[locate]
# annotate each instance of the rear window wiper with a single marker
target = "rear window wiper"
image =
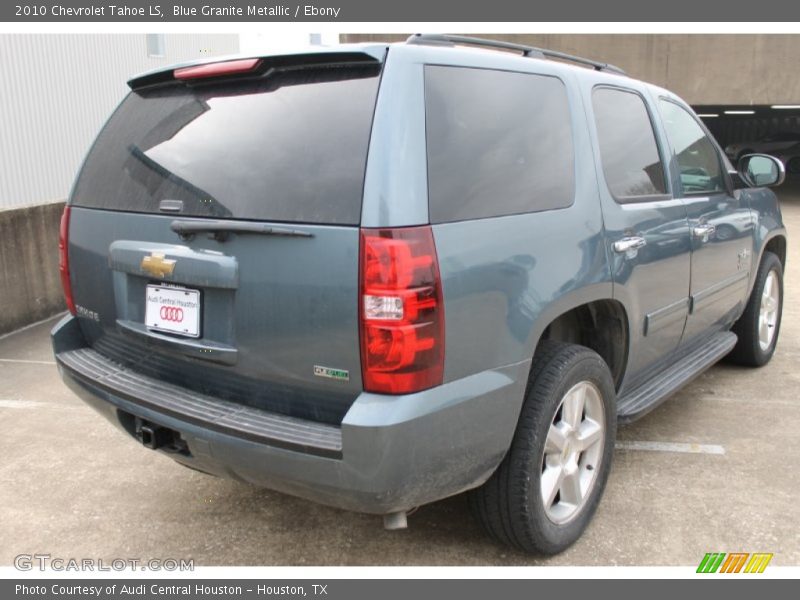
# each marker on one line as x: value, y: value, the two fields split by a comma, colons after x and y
x: 221, y: 230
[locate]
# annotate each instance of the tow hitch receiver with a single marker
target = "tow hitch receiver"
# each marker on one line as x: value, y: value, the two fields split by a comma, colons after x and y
x: 157, y: 437
x: 153, y: 436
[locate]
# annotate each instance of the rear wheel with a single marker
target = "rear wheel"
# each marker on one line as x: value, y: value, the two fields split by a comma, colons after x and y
x: 547, y: 488
x: 759, y: 325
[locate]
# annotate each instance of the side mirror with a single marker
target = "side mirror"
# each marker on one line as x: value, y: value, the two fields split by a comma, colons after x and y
x: 761, y: 170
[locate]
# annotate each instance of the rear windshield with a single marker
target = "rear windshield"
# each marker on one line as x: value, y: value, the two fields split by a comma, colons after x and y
x: 291, y: 146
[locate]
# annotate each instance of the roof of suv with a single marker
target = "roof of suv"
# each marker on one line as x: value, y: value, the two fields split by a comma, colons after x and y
x: 377, y: 51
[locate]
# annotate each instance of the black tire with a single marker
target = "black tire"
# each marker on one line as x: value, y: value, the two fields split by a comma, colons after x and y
x: 510, y: 505
x: 748, y: 350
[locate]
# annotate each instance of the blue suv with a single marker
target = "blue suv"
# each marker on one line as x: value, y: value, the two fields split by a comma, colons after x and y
x: 379, y: 275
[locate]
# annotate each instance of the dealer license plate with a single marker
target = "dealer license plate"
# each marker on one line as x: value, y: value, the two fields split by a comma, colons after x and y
x: 173, y: 309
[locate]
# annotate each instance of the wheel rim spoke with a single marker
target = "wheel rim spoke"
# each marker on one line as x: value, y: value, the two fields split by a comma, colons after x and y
x: 573, y: 406
x: 551, y: 483
x: 589, y: 434
x: 556, y: 439
x: 571, y: 487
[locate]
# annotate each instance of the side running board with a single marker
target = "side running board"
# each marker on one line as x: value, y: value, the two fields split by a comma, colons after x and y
x: 640, y: 401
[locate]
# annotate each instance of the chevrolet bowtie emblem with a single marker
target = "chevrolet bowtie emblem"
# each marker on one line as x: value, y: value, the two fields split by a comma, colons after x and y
x: 157, y: 265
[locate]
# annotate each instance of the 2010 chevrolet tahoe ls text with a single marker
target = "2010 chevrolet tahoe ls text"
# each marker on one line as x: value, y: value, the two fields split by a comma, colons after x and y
x: 379, y: 275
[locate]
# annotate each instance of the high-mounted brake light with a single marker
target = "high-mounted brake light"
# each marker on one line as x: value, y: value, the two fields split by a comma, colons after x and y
x: 63, y: 259
x: 401, y: 311
x: 217, y: 69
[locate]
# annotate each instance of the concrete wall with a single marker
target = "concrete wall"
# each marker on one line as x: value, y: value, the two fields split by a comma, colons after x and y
x: 701, y: 68
x: 30, y: 285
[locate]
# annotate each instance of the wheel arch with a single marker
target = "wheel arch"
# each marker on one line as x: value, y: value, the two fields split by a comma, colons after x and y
x: 601, y: 324
x: 775, y: 243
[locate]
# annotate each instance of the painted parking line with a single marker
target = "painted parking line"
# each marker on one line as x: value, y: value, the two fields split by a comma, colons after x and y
x: 22, y: 404
x: 671, y: 447
x: 32, y: 404
x: 26, y: 362
x: 32, y: 325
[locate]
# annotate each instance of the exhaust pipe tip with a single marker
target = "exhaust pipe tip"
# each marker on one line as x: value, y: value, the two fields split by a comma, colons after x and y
x: 395, y: 520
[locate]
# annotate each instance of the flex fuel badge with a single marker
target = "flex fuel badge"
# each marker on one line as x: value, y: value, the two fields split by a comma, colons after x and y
x: 339, y: 374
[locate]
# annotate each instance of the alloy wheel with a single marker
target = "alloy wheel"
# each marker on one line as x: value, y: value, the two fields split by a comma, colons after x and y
x: 573, y: 452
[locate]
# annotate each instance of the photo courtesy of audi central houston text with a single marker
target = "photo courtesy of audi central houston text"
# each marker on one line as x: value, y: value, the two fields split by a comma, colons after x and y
x: 460, y: 283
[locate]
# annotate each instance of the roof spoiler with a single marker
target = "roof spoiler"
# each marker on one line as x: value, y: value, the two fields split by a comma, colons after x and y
x: 241, y: 66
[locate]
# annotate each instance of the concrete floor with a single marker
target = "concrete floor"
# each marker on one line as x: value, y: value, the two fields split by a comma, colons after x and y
x: 73, y: 486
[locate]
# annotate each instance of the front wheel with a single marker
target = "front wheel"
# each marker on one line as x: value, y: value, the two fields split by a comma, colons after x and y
x: 759, y: 325
x: 546, y: 490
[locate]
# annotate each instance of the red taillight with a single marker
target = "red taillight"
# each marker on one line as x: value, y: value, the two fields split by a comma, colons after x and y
x: 217, y: 69
x: 63, y: 259
x: 401, y: 311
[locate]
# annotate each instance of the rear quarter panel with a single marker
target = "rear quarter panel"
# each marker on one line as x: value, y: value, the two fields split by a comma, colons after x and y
x: 506, y: 279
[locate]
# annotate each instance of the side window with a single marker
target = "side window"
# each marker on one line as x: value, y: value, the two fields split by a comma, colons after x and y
x: 628, y: 150
x: 697, y: 158
x: 499, y: 143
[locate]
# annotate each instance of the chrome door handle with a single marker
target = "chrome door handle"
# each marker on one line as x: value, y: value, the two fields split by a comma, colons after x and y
x: 627, y: 244
x: 703, y: 231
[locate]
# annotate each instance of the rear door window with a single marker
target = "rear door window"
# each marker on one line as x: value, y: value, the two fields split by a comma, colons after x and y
x: 628, y: 151
x: 290, y: 146
x: 499, y: 143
